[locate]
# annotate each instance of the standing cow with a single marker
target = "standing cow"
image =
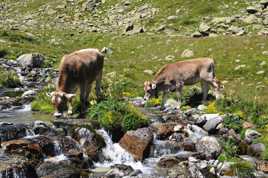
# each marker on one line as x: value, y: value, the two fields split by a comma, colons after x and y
x: 78, y: 69
x: 172, y: 77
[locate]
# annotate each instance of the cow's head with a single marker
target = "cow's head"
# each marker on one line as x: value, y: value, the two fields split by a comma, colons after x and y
x: 150, y: 90
x: 60, y: 101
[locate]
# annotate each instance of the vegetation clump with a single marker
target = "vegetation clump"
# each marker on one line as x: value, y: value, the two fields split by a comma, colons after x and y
x: 9, y: 79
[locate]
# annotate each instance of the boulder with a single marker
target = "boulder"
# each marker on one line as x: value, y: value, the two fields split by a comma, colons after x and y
x: 90, y: 5
x: 256, y: 149
x: 119, y: 170
x: 12, y: 131
x: 32, y: 60
x: 91, y: 142
x: 195, y: 133
x: 204, y: 28
x: 252, y: 9
x: 163, y: 130
x: 172, y: 104
x: 212, y: 121
x: 209, y: 146
x: 138, y: 142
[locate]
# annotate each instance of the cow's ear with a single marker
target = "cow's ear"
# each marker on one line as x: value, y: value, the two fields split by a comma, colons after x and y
x: 69, y: 96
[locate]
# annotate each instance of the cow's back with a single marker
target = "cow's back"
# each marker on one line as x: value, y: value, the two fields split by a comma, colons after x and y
x: 82, y: 65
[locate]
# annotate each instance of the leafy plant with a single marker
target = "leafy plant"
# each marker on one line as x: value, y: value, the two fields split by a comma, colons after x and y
x: 9, y: 79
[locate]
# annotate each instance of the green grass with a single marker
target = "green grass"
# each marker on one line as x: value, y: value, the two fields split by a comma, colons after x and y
x: 9, y: 79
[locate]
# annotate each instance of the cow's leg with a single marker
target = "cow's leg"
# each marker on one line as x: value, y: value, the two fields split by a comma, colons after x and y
x: 98, y: 86
x: 164, y: 99
x: 84, y: 92
x: 179, y: 87
x: 205, y: 88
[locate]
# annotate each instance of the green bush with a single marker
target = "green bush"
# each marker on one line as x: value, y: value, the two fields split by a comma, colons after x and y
x: 113, y: 114
x: 9, y: 79
x: 230, y: 150
x: 232, y: 121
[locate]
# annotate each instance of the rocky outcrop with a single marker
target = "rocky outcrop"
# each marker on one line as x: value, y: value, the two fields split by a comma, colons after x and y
x: 33, y: 60
x: 137, y: 142
x: 209, y: 146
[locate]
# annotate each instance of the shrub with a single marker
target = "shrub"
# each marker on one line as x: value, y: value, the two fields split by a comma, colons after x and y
x: 113, y: 114
x: 153, y: 102
x: 232, y: 121
x: 230, y: 150
x: 212, y: 108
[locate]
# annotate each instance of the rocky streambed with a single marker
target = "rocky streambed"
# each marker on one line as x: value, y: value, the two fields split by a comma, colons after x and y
x: 175, y: 144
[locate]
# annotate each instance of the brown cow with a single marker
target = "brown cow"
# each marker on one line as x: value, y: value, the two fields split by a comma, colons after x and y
x: 172, y: 77
x: 78, y: 69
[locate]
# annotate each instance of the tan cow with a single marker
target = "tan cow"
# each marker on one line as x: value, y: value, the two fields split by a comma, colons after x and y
x: 172, y: 77
x: 78, y: 69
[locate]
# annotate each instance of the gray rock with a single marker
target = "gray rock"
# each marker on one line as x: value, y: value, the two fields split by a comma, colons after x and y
x: 204, y: 28
x: 187, y: 53
x: 212, y: 121
x: 265, y: 21
x: 250, y: 19
x: 195, y: 133
x: 265, y: 53
x: 196, y: 34
x: 33, y: 60
x: 209, y: 146
x: 173, y: 17
x: 251, y: 135
x: 256, y: 149
x: 29, y: 93
x: 252, y: 9
x: 236, y: 30
x: 91, y: 5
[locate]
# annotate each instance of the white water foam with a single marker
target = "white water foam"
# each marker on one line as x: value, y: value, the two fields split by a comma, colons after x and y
x: 56, y: 159
x: 115, y: 154
x: 26, y: 108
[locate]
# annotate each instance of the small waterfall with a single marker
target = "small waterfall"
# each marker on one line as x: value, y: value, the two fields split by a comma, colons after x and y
x: 58, y: 152
x: 115, y: 154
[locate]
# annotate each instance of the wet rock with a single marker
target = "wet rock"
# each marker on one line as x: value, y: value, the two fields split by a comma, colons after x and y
x: 43, y: 128
x: 251, y: 135
x: 168, y: 161
x: 33, y: 60
x: 187, y: 53
x: 209, y: 146
x: 163, y: 130
x: 138, y: 101
x: 58, y: 169
x: 29, y: 94
x: 195, y: 133
x: 119, y: 170
x: 163, y: 147
x: 13, y: 166
x: 12, y: 131
x: 91, y: 142
x: 188, y: 145
x: 137, y: 142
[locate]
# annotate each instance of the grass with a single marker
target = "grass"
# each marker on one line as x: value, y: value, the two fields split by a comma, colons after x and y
x: 9, y: 79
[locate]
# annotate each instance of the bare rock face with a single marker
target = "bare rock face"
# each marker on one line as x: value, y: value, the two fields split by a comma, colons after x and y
x: 137, y: 142
x: 163, y: 130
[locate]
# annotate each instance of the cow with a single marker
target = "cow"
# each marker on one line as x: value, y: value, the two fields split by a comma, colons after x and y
x: 77, y: 70
x: 172, y: 78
